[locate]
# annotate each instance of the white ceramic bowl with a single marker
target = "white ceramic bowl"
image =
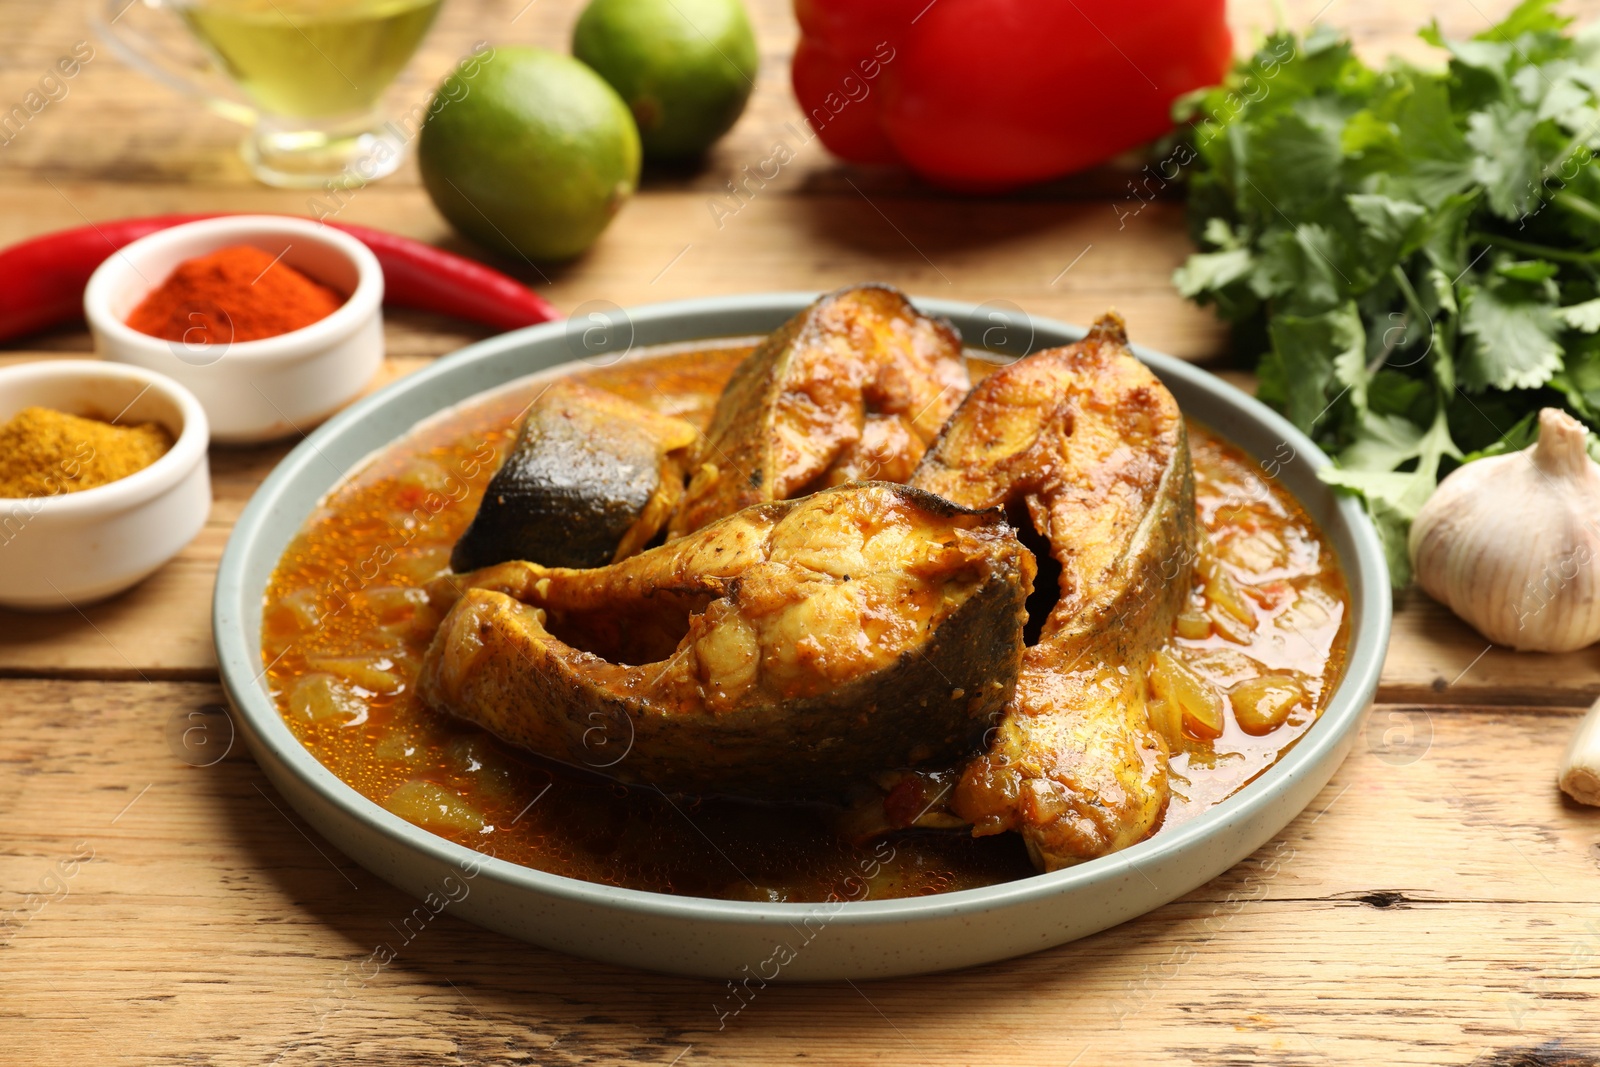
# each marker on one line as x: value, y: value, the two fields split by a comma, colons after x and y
x: 69, y: 550
x: 737, y: 939
x: 251, y: 390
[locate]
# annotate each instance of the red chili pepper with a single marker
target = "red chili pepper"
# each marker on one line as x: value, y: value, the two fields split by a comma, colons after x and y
x: 42, y: 279
x: 992, y: 94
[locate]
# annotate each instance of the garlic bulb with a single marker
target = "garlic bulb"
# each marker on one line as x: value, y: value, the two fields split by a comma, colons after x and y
x: 1511, y: 544
x: 1579, y: 776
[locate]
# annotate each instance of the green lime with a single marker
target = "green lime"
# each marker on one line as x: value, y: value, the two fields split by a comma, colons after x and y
x: 685, y: 67
x: 528, y: 152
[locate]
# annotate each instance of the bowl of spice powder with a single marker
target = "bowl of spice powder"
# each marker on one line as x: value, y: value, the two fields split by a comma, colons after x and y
x: 273, y: 322
x: 103, y: 478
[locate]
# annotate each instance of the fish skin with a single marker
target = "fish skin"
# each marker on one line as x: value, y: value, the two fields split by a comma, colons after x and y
x: 863, y: 627
x: 852, y: 388
x: 1094, y: 446
x: 591, y: 478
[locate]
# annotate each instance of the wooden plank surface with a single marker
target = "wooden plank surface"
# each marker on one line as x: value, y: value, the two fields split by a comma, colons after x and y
x: 118, y: 127
x: 156, y: 631
x: 1436, y: 905
x: 1436, y: 901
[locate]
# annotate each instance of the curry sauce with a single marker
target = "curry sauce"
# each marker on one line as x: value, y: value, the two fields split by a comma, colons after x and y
x: 346, y: 623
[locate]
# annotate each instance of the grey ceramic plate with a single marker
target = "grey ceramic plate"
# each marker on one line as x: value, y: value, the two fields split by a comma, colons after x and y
x: 689, y: 935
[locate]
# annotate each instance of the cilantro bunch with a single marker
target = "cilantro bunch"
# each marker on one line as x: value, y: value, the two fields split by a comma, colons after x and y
x: 1414, y: 253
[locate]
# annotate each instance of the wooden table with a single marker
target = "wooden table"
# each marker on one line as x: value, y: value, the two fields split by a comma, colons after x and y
x: 1438, y: 904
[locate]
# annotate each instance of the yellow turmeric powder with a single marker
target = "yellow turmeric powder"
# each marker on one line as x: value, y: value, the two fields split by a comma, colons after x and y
x: 46, y: 453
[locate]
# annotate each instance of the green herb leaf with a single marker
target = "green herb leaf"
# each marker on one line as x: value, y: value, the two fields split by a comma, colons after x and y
x: 1310, y: 349
x: 1393, y: 227
x: 1394, y: 497
x: 1389, y: 234
x: 1213, y: 270
x: 1507, y: 166
x: 1530, y: 16
x: 1515, y: 344
x: 1584, y: 316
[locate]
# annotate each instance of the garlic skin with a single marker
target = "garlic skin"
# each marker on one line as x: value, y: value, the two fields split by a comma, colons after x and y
x: 1579, y: 776
x: 1511, y: 544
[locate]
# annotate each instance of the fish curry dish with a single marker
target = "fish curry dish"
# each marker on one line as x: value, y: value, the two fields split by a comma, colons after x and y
x: 843, y: 612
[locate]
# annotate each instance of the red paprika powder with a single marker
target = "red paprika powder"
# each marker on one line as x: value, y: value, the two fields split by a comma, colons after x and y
x: 233, y: 294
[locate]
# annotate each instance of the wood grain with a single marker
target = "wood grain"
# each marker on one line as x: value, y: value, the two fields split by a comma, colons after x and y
x: 117, y: 127
x: 162, y: 628
x: 1436, y: 905
x: 811, y: 229
x: 1436, y: 901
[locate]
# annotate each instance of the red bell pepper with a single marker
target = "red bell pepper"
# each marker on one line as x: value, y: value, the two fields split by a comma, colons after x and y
x: 992, y: 94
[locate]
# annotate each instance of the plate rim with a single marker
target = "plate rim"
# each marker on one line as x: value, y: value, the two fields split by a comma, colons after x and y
x: 1354, y: 694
